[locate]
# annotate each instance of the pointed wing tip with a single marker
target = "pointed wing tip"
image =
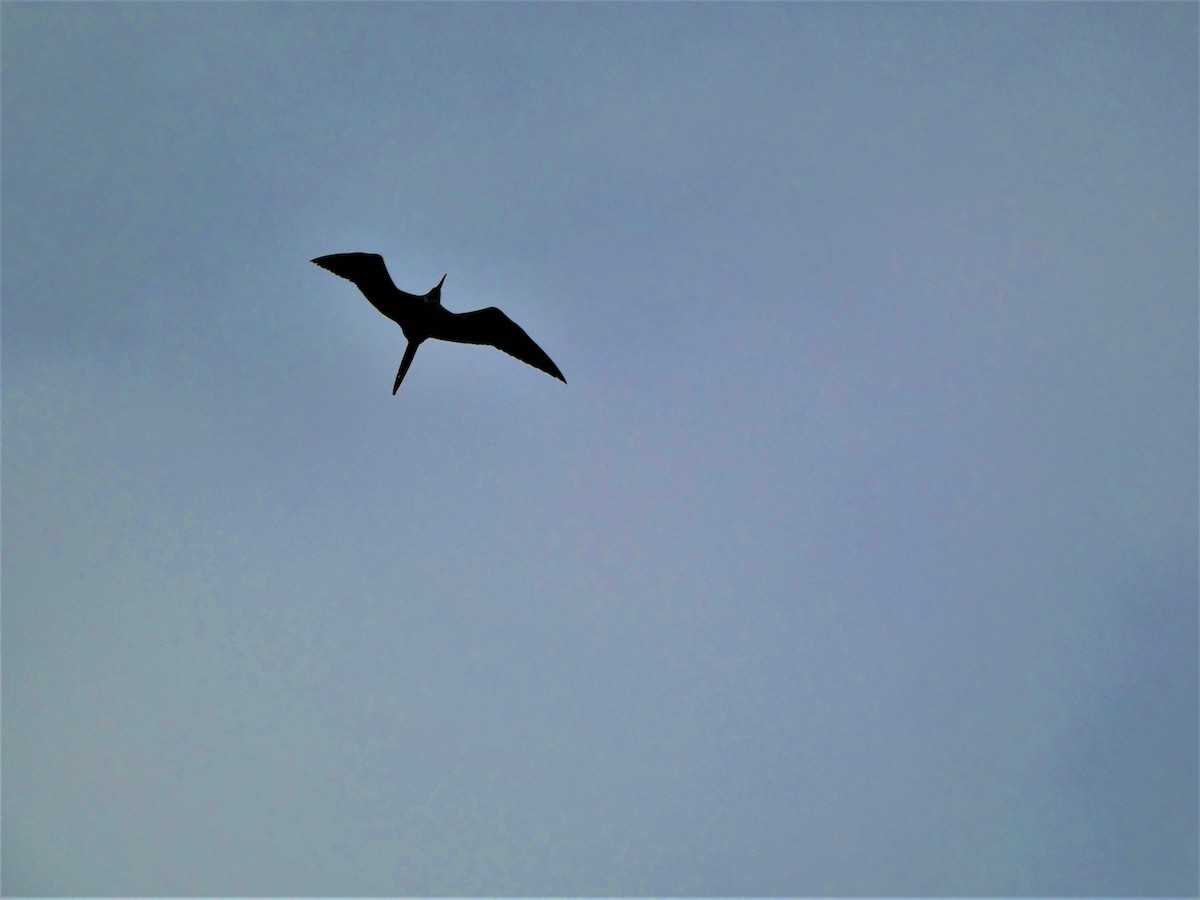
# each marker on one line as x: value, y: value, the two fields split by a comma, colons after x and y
x: 549, y: 368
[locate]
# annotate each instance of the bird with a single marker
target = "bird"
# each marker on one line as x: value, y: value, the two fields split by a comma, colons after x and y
x: 423, y: 317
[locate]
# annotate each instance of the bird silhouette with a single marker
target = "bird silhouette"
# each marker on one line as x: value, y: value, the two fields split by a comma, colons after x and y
x: 423, y: 317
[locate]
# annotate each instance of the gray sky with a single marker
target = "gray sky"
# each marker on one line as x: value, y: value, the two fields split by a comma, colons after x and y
x: 858, y: 555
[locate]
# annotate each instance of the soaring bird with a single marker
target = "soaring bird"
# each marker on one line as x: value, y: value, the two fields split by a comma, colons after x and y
x: 424, y: 317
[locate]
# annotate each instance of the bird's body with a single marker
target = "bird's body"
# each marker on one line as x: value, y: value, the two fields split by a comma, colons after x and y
x: 423, y: 317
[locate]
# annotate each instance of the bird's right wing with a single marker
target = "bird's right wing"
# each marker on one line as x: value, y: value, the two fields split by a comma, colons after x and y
x: 491, y: 326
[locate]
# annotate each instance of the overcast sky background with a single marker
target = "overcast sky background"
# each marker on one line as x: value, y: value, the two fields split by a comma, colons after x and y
x: 857, y: 556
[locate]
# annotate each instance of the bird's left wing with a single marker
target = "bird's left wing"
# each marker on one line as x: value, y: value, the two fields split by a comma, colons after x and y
x: 366, y: 270
x: 492, y: 327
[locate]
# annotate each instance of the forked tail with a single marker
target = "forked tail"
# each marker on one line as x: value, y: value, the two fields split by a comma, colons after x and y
x: 409, y: 353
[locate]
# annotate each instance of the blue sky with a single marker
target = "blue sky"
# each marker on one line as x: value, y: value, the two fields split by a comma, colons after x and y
x: 857, y: 556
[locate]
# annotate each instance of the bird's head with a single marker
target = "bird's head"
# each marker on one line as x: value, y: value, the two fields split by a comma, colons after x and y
x: 436, y: 293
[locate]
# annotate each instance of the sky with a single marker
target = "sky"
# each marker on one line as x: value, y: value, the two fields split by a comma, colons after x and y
x: 857, y: 556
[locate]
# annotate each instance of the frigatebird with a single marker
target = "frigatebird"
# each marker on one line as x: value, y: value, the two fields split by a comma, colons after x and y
x: 424, y: 317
